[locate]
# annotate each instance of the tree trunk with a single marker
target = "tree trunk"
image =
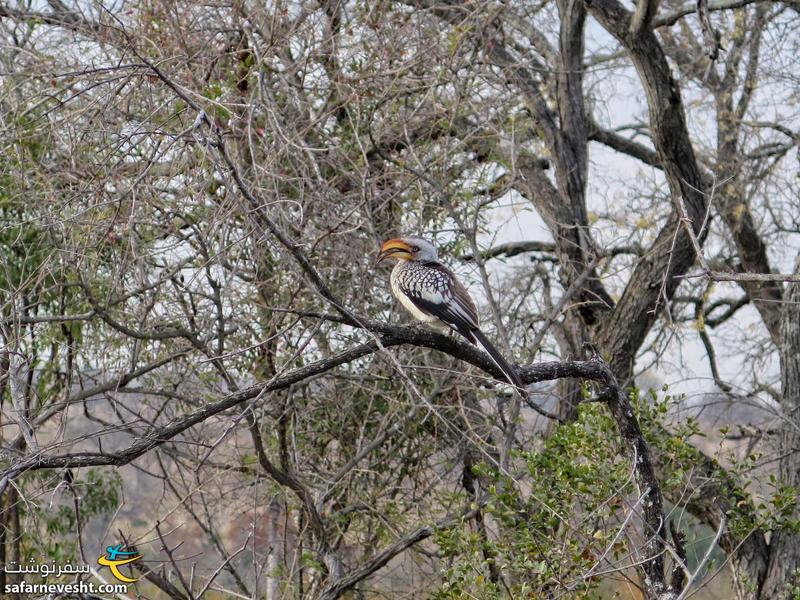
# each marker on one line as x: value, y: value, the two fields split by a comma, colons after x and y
x: 784, y: 561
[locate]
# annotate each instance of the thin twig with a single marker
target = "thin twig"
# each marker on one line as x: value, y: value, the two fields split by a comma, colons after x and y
x: 723, y: 521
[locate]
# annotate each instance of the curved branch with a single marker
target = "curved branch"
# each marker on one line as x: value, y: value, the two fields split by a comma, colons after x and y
x: 392, y: 335
x: 336, y: 588
x: 691, y: 7
x: 510, y: 249
x: 643, y: 16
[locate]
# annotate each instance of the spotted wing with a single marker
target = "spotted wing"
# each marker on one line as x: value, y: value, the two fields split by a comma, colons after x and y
x: 434, y: 289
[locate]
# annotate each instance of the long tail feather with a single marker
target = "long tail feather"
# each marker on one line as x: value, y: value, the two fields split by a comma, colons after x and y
x: 502, y: 363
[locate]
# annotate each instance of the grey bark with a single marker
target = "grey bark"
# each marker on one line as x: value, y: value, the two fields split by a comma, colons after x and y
x: 656, y: 276
x: 783, y: 571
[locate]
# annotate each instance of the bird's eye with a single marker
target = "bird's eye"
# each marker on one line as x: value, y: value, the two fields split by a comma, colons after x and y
x: 415, y: 248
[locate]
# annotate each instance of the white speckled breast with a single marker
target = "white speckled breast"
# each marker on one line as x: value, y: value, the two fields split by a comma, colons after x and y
x: 409, y: 272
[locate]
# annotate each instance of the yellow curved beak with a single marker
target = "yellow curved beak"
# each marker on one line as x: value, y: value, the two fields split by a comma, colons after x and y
x: 394, y: 248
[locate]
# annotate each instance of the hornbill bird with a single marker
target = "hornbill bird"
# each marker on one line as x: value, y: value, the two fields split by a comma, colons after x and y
x: 432, y: 294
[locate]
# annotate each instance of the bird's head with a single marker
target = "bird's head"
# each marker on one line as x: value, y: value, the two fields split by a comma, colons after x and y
x: 408, y: 248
